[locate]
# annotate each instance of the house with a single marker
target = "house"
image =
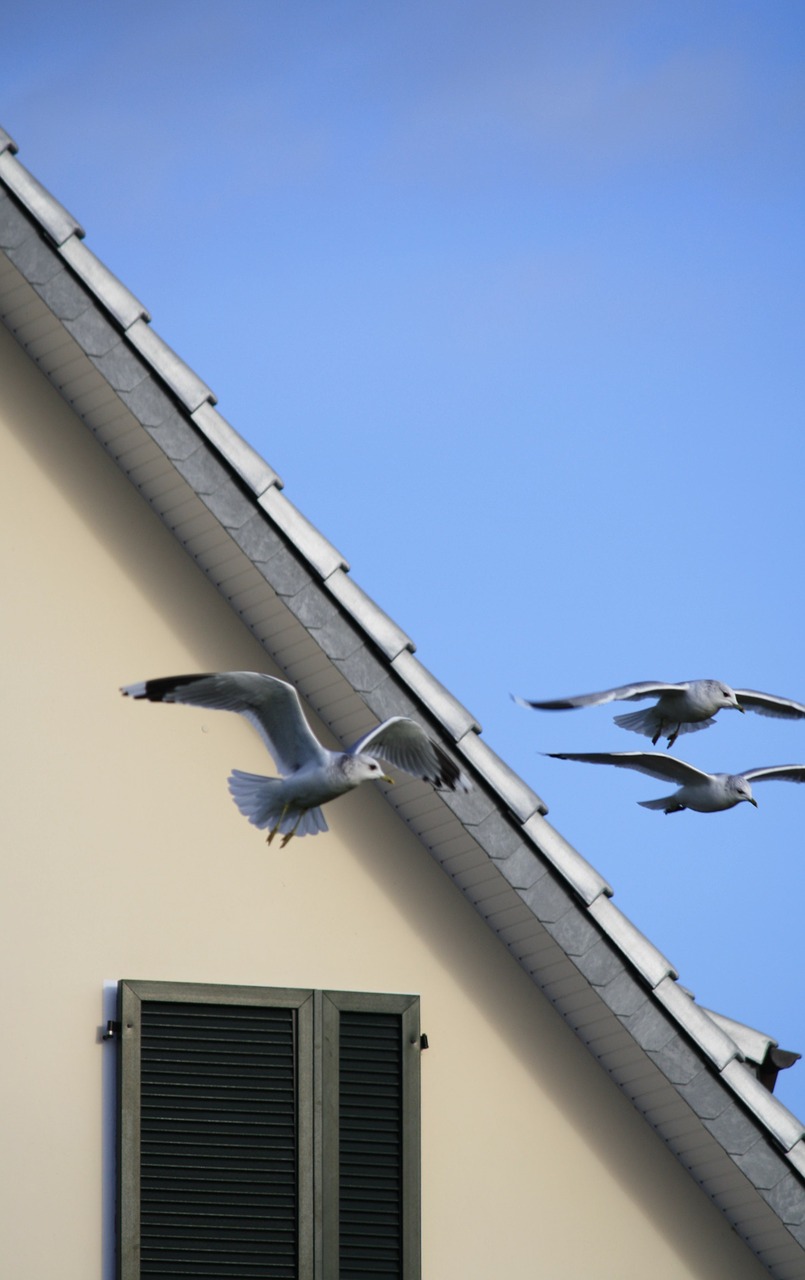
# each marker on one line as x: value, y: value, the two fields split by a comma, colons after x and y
x: 425, y: 1043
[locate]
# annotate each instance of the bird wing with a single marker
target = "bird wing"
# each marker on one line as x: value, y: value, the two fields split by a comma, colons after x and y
x: 271, y: 706
x: 623, y: 693
x: 782, y: 772
x: 651, y: 762
x: 406, y: 745
x: 768, y: 704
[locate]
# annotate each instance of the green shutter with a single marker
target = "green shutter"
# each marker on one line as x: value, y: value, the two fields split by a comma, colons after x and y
x: 370, y: 1145
x: 218, y: 1142
x: 267, y: 1134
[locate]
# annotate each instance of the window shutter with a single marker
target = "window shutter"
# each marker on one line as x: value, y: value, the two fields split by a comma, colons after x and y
x: 267, y: 1134
x: 370, y: 1145
x: 218, y: 1146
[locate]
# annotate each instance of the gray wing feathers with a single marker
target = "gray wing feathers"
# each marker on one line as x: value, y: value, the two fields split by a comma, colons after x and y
x: 650, y: 762
x: 768, y: 704
x: 781, y: 772
x: 405, y: 745
x: 271, y: 706
x: 624, y: 693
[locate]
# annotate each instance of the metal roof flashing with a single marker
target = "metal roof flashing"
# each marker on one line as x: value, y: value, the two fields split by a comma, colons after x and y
x: 689, y: 1072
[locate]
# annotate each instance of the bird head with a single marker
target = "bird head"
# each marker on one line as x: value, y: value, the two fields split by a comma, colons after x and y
x: 730, y: 698
x: 367, y: 769
x: 742, y: 791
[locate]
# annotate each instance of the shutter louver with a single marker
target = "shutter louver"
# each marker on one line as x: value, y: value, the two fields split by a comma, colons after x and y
x: 218, y: 1161
x: 370, y: 1146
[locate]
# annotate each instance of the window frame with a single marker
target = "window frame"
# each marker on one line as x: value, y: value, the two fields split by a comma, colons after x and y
x: 317, y: 1112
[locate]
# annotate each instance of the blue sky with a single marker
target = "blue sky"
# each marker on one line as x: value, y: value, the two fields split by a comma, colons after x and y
x: 511, y: 295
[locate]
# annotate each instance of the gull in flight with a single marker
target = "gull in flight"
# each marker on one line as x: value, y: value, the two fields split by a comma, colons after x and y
x: 704, y: 792
x: 681, y: 708
x: 312, y: 774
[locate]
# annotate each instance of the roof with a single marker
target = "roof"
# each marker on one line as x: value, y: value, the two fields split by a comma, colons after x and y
x: 692, y: 1075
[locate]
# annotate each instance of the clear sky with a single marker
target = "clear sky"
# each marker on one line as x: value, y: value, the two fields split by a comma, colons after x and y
x: 511, y: 293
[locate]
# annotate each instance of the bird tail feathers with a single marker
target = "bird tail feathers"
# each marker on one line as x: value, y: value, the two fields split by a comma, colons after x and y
x: 648, y: 722
x: 639, y: 721
x: 261, y: 800
x: 668, y: 804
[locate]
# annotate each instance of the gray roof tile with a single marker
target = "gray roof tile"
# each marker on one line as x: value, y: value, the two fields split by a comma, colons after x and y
x: 517, y: 794
x: 181, y: 379
x: 447, y: 709
x: 39, y: 265
x: 320, y: 553
x: 522, y: 869
x: 243, y: 459
x: 718, y: 1046
x: 122, y: 368
x: 588, y: 883
x: 787, y: 1129
x: 388, y: 637
x: 93, y: 333
x: 119, y: 301
x: 624, y: 995
x: 497, y: 835
x: 635, y: 946
x: 50, y: 215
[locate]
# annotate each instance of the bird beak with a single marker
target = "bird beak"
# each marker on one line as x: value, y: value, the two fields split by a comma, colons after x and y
x: 387, y: 779
x: 740, y: 708
x: 753, y: 801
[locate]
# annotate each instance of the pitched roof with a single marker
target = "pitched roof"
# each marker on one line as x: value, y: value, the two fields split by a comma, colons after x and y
x: 692, y: 1075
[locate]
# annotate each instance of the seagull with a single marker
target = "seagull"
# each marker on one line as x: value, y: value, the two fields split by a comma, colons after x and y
x: 681, y: 708
x: 704, y: 792
x: 312, y: 774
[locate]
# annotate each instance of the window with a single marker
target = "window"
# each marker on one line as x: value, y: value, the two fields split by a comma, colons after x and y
x: 268, y: 1133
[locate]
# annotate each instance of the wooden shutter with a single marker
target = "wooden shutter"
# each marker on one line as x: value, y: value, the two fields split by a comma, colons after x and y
x: 211, y: 1168
x: 371, y: 1175
x: 268, y: 1134
x: 370, y: 1112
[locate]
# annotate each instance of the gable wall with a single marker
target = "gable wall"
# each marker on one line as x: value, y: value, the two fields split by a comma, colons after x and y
x: 124, y: 857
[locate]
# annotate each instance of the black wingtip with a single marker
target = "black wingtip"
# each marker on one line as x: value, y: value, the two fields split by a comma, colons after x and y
x: 449, y: 775
x: 160, y: 689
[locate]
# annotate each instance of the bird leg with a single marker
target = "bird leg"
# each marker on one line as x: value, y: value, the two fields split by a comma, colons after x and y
x: 674, y: 736
x: 292, y: 832
x: 276, y: 828
x: 658, y: 734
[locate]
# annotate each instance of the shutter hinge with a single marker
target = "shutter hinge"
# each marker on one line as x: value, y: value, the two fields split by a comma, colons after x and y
x: 423, y: 1041
x: 112, y: 1031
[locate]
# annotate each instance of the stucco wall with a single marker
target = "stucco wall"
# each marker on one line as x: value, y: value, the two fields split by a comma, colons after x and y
x: 123, y: 856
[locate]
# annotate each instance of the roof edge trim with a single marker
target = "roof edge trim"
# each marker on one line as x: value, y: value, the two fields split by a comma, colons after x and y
x: 230, y: 445
x: 588, y: 883
x: 51, y: 216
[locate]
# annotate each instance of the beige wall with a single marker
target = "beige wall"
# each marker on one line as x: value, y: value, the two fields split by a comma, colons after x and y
x: 123, y: 856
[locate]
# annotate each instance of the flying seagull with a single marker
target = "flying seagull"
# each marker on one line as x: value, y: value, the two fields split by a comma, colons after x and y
x: 312, y: 775
x: 704, y: 792
x: 681, y: 708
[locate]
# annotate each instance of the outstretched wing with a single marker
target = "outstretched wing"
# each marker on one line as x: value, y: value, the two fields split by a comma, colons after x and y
x: 270, y: 705
x: 405, y: 745
x: 768, y: 704
x: 782, y: 772
x: 651, y: 762
x: 623, y: 693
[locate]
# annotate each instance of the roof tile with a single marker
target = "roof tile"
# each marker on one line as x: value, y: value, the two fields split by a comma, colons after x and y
x: 177, y: 375
x: 50, y: 215
x: 119, y: 301
x: 243, y: 459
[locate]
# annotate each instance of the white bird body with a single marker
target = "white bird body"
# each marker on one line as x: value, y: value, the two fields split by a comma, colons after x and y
x: 703, y: 792
x: 312, y: 774
x: 680, y: 708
